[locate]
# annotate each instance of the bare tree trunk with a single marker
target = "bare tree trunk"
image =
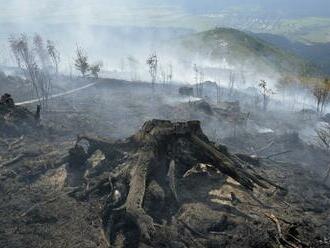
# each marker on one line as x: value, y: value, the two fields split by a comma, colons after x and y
x: 327, y: 175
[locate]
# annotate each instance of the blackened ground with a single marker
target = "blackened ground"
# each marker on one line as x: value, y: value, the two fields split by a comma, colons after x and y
x: 37, y: 210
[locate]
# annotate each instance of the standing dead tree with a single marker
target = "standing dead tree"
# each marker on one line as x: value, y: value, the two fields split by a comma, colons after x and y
x: 34, y: 61
x: 196, y: 79
x: 166, y: 74
x: 46, y: 66
x: 40, y: 51
x: 54, y: 55
x: 169, y: 76
x: 321, y: 94
x: 218, y: 92
x: 152, y: 62
x: 199, y: 79
x: 82, y: 65
x: 242, y: 77
x: 25, y: 59
x: 266, y: 93
x: 95, y: 69
x: 231, y: 83
x: 163, y: 76
x: 133, y: 64
x: 81, y: 61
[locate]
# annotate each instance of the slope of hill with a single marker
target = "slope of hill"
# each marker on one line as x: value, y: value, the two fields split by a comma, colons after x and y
x: 317, y: 53
x: 243, y: 49
x: 293, y: 8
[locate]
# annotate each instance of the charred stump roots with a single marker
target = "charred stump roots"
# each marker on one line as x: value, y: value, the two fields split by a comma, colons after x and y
x: 138, y: 175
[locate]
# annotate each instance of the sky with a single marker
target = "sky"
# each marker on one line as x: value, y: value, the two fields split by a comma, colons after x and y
x: 84, y: 11
x: 130, y: 11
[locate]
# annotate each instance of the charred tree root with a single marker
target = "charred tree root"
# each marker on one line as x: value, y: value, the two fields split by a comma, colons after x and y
x: 283, y: 241
x: 327, y: 176
x: 155, y: 146
x: 18, y: 158
x: 11, y: 145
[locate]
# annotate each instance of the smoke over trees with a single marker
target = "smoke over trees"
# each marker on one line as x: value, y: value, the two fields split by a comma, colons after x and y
x: 199, y: 79
x: 321, y: 94
x: 266, y: 92
x: 81, y: 61
x: 82, y: 65
x: 133, y: 64
x: 152, y: 62
x: 232, y: 79
x: 95, y: 69
x: 54, y: 55
x: 36, y: 62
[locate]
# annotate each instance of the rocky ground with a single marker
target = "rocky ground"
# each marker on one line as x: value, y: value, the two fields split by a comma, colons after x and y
x: 166, y: 185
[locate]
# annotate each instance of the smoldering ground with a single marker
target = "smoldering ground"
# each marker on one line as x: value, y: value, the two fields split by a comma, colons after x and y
x: 60, y: 190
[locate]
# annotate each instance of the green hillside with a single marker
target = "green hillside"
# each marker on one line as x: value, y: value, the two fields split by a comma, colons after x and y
x: 240, y: 48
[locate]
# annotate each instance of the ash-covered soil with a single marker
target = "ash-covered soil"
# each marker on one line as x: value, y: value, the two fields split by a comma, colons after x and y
x: 60, y: 191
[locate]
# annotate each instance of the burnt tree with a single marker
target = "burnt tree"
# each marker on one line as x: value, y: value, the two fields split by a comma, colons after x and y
x: 142, y: 175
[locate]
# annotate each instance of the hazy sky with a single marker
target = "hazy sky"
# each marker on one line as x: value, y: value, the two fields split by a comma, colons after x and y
x: 108, y: 11
x: 86, y: 11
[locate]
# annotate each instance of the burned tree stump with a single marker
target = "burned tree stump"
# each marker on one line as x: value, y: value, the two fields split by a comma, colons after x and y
x: 16, y: 120
x: 143, y: 170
